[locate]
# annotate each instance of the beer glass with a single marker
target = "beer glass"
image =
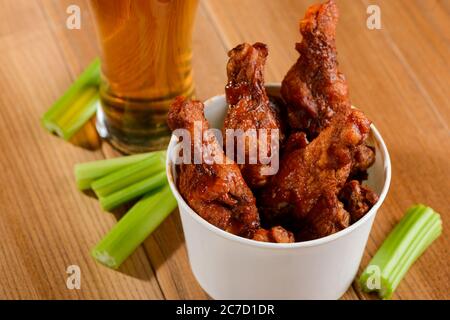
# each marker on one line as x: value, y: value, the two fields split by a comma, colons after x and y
x: 146, y: 62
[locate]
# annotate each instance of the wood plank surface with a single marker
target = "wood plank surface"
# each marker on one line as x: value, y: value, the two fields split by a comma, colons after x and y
x: 398, y: 75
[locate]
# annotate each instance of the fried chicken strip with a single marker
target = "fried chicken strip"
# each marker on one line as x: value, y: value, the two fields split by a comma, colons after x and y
x: 249, y: 106
x: 314, y: 88
x: 217, y: 192
x: 305, y: 189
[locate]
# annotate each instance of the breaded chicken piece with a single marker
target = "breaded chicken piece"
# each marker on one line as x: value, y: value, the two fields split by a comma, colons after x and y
x: 313, y: 88
x: 275, y: 234
x: 216, y: 191
x: 357, y: 199
x: 305, y: 189
x: 249, y: 107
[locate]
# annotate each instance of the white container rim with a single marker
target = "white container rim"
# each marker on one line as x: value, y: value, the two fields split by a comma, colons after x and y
x: 270, y: 245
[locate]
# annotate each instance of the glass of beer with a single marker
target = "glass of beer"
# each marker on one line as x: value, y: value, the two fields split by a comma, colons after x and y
x: 146, y: 62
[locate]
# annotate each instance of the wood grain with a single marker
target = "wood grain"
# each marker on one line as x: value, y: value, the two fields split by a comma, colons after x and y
x: 398, y: 75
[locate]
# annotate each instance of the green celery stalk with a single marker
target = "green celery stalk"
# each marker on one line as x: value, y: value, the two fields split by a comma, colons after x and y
x: 416, y: 231
x: 137, y: 224
x: 133, y: 191
x: 86, y: 173
x: 431, y: 230
x: 129, y: 175
x: 78, y: 104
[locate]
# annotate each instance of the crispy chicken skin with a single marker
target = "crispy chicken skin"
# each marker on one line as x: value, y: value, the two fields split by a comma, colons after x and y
x: 363, y: 159
x: 305, y: 189
x: 296, y: 140
x: 217, y: 192
x: 249, y: 106
x: 326, y: 217
x: 357, y: 199
x: 275, y: 234
x: 313, y: 88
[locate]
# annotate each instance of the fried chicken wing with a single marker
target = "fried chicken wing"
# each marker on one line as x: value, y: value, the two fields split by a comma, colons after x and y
x: 275, y: 234
x: 314, y: 88
x: 326, y: 217
x: 357, y: 199
x: 249, y: 106
x: 305, y: 189
x: 295, y: 141
x: 363, y: 159
x: 216, y: 191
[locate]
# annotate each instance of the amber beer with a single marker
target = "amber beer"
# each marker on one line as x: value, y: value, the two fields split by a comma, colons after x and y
x: 146, y: 62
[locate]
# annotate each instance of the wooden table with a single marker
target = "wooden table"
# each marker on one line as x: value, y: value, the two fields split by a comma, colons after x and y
x: 398, y: 75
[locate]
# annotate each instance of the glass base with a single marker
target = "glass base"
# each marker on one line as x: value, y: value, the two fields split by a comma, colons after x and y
x: 129, y: 143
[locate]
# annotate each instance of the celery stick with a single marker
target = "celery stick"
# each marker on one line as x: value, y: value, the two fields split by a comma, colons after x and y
x: 137, y: 224
x: 428, y: 234
x: 129, y: 175
x: 78, y: 104
x: 398, y: 242
x: 419, y: 227
x: 86, y: 173
x: 133, y: 191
